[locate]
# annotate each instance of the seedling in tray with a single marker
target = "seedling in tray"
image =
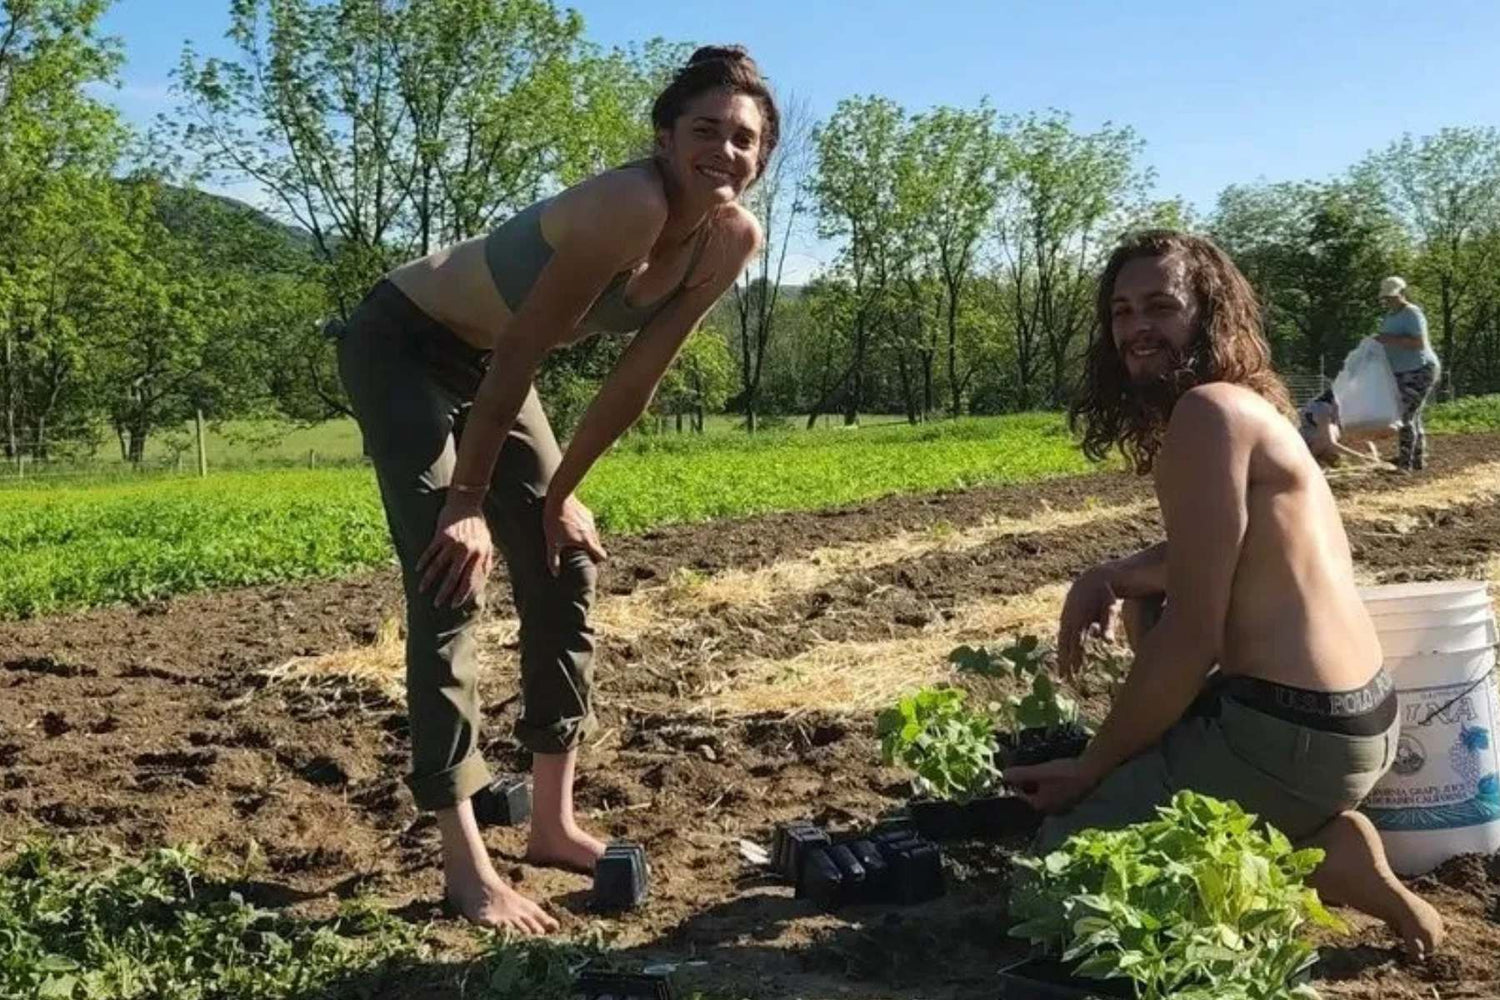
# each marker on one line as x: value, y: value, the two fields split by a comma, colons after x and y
x: 1042, y: 724
x: 950, y: 747
x: 952, y: 751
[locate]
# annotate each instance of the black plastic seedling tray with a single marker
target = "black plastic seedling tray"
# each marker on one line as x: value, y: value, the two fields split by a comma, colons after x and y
x: 916, y: 872
x: 790, y: 844
x: 603, y: 984
x: 506, y: 801
x: 891, y: 865
x: 1045, y: 979
x: 1003, y: 815
x: 1037, y: 746
x: 621, y: 877
x: 991, y: 817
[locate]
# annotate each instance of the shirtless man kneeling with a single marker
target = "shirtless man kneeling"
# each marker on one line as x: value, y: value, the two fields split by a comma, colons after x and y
x: 1300, y: 720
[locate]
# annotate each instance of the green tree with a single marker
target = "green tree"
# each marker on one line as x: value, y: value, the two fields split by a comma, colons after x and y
x: 56, y: 141
x: 1067, y: 197
x: 386, y: 128
x: 699, y: 381
x: 959, y: 162
x: 862, y: 151
x: 779, y: 200
x: 1445, y: 189
x: 1314, y: 252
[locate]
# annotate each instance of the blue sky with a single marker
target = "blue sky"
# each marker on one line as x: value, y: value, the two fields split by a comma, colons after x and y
x: 1221, y: 92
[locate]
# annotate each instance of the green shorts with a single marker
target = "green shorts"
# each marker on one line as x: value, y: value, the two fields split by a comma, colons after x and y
x: 1293, y: 775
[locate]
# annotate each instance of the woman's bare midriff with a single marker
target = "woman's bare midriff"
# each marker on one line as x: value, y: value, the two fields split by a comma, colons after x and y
x: 454, y: 287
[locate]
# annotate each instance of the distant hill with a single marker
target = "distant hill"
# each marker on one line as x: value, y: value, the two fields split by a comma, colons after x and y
x: 258, y: 240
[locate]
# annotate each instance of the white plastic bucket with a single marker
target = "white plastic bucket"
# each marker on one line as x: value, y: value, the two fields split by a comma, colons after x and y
x: 1396, y: 621
x: 1433, y: 595
x: 1428, y: 639
x: 1441, y: 797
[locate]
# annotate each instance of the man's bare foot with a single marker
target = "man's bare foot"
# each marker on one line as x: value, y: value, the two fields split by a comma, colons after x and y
x: 486, y: 900
x: 1355, y: 873
x: 566, y: 847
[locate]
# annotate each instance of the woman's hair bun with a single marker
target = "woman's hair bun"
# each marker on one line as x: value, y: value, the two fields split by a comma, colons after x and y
x: 727, y: 53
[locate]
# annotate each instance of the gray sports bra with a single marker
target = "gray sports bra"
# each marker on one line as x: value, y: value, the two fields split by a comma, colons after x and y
x: 516, y: 251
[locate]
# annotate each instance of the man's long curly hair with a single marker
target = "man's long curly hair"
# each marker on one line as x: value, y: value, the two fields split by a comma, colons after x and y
x: 1229, y: 346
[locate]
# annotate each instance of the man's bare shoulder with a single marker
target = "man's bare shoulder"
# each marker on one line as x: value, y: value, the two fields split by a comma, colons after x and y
x: 1224, y: 409
x: 1224, y: 418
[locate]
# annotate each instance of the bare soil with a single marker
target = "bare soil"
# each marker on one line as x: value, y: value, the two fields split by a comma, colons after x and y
x: 156, y: 724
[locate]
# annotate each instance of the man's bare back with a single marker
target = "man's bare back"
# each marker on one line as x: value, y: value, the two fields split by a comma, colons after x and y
x: 1294, y: 615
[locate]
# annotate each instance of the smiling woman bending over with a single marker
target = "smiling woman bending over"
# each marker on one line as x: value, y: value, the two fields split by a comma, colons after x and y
x: 438, y: 361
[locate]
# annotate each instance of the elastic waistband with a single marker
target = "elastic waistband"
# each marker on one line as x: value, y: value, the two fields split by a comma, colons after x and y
x: 1365, y: 711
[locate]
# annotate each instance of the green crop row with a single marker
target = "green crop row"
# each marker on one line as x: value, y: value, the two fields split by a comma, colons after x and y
x: 73, y: 546
x: 64, y: 547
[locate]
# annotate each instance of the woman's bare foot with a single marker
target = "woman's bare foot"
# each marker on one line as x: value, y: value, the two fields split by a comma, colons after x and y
x: 566, y: 847
x: 1355, y: 873
x: 473, y: 888
x: 489, y: 902
x: 556, y: 840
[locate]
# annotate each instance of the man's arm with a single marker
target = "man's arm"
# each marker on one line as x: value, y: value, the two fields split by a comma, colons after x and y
x: 1141, y: 575
x: 1203, y: 477
x: 1091, y: 599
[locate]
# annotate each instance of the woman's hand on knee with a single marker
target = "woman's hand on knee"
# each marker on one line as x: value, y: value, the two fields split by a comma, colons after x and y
x: 460, y: 557
x: 570, y: 525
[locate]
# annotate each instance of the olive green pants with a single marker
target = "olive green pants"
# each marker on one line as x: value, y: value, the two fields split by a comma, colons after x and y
x: 1293, y: 777
x: 411, y: 382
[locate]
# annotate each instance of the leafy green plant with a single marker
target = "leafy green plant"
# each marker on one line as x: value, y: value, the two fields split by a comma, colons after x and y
x: 160, y: 927
x: 950, y: 746
x: 1044, y: 706
x: 1198, y: 904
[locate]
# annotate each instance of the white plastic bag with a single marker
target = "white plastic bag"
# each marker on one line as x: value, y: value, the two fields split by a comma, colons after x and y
x: 1368, y: 398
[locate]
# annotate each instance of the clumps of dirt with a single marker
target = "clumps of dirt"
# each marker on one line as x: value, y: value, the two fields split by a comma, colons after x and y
x: 1456, y: 542
x: 48, y: 665
x: 1477, y: 875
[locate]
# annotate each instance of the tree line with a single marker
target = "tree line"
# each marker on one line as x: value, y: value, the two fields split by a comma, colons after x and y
x: 378, y: 130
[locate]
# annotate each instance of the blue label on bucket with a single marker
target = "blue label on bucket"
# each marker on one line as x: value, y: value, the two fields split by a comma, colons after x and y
x: 1483, y: 808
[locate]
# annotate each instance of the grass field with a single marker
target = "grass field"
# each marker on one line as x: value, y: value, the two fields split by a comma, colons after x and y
x: 78, y: 545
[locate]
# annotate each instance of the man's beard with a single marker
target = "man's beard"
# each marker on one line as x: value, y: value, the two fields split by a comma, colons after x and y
x: 1156, y: 392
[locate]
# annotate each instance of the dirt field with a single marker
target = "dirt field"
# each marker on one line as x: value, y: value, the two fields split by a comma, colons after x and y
x: 741, y: 664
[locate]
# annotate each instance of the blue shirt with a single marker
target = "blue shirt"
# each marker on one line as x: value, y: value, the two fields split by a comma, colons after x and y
x: 1407, y: 321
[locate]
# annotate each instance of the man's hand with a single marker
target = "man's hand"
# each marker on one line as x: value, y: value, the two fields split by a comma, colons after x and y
x: 1053, y: 787
x: 1090, y: 602
x: 570, y: 525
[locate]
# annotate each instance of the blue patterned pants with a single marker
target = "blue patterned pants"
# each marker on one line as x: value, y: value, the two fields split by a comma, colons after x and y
x: 1415, y: 386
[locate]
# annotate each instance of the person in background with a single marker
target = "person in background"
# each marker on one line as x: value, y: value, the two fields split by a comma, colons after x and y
x: 1318, y: 423
x: 1403, y: 334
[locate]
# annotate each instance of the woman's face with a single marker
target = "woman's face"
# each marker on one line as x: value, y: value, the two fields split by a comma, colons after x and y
x: 714, y: 146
